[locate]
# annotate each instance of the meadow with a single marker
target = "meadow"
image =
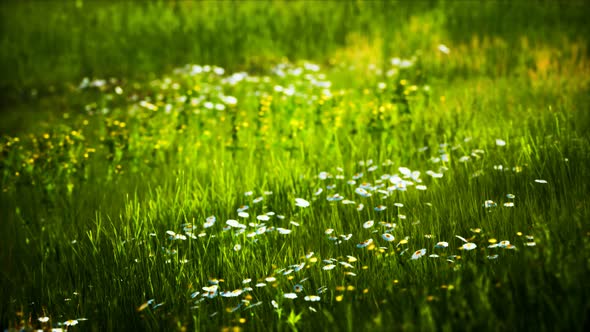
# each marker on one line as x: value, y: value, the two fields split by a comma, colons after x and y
x: 294, y: 165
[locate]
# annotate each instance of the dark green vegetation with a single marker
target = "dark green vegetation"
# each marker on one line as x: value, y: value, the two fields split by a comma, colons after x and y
x: 108, y: 186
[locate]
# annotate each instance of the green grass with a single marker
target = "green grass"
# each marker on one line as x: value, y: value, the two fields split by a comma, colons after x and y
x: 93, y: 179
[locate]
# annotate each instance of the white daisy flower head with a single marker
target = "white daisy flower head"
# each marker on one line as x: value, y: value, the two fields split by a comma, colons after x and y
x: 419, y: 253
x: 468, y: 246
x: 312, y: 298
x: 290, y: 296
x: 387, y: 237
x: 301, y: 202
x: 441, y: 244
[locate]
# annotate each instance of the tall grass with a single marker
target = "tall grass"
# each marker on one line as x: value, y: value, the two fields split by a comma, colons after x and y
x: 89, y: 193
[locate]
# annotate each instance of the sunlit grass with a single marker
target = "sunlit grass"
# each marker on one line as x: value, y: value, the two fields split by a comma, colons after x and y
x: 443, y: 186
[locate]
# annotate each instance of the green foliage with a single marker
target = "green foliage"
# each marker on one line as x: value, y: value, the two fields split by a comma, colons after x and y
x: 108, y: 195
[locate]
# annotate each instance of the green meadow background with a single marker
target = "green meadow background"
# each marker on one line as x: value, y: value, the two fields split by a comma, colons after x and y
x: 82, y: 191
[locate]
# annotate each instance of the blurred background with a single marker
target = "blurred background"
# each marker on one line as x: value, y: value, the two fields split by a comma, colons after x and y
x: 48, y: 47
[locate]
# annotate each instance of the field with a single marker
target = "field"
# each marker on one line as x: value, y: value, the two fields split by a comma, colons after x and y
x: 289, y: 165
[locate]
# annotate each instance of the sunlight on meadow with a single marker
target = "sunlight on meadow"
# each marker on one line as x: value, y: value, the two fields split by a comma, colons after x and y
x: 294, y: 166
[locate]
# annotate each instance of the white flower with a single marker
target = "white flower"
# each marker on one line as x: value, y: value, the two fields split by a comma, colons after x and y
x: 301, y: 202
x: 419, y: 253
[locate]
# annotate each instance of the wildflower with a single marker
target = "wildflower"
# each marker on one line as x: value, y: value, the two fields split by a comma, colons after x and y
x: 469, y: 246
x: 334, y: 198
x: 234, y: 223
x: 509, y: 204
x: 283, y: 231
x: 71, y: 322
x: 444, y: 49
x: 347, y: 265
x: 328, y: 267
x: 368, y: 224
x: 274, y: 304
x: 490, y: 257
x: 237, y: 247
x: 298, y: 288
x: 360, y: 207
x: 243, y: 214
x: 500, y: 142
x: 489, y: 204
x: 301, y: 202
x: 365, y: 243
x: 510, y: 196
x: 388, y: 237
x: 541, y: 181
x: 421, y: 187
x: 318, y: 192
x: 290, y: 295
x: 44, y: 319
x: 380, y: 208
x: 263, y: 217
x: 312, y: 298
x: 210, y: 221
x: 419, y: 253
x: 257, y: 200
x: 441, y: 244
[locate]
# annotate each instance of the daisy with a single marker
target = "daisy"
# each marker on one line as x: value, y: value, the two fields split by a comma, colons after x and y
x: 234, y: 223
x: 312, y: 298
x: 334, y: 198
x: 328, y: 267
x: 380, y: 208
x: 297, y: 288
x: 365, y: 243
x: 489, y: 204
x: 469, y: 246
x: 257, y: 200
x: 283, y: 231
x: 290, y: 295
x: 263, y: 217
x: 419, y: 253
x: 388, y: 237
x: 301, y: 202
x: 444, y: 49
x: 441, y: 244
x: 243, y: 214
x: 368, y: 224
x: 347, y: 265
x: 541, y: 181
